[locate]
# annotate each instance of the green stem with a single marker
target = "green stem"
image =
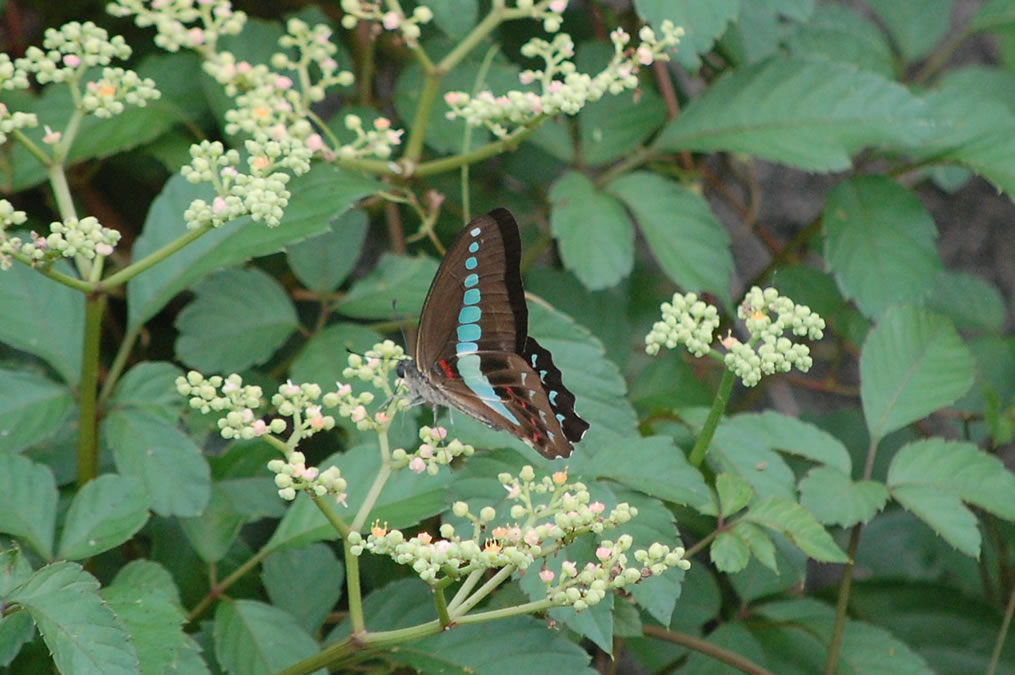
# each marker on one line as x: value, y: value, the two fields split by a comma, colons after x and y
x: 224, y: 585
x: 722, y: 397
x: 31, y: 147
x: 505, y: 612
x: 336, y: 656
x: 336, y: 520
x: 635, y: 159
x: 414, y: 146
x: 58, y: 277
x: 119, y: 362
x: 154, y: 258
x: 995, y: 657
x: 467, y: 586
x: 88, y: 418
x: 379, y: 480
x: 442, y: 607
x: 483, y: 152
x: 354, y: 591
x: 496, y: 580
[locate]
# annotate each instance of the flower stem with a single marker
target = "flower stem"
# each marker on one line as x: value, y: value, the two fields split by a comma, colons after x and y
x: 88, y: 419
x: 722, y: 397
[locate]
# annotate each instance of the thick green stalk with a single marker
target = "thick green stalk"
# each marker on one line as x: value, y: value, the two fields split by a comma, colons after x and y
x: 722, y: 397
x: 88, y: 418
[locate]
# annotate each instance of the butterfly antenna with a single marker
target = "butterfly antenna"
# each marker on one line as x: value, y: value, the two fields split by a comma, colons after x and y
x: 398, y: 320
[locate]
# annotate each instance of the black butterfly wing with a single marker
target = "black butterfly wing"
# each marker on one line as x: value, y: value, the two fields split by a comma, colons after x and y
x: 476, y: 301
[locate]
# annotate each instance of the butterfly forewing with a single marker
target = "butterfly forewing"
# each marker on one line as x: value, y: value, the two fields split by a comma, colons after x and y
x: 477, y: 296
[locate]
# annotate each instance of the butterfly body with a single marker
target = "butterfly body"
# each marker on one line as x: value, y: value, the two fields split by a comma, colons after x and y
x: 473, y: 352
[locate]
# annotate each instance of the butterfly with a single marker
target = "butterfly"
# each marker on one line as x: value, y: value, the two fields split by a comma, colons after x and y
x: 473, y: 351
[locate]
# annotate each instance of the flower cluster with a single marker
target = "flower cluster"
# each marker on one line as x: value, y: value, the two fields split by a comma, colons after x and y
x: 686, y: 320
x: 294, y: 475
x: 767, y: 316
x: 73, y: 237
x: 10, y: 245
x: 377, y: 142
x: 261, y: 194
x: 231, y: 397
x: 582, y: 589
x: 562, y: 89
x: 299, y: 401
x: 171, y: 18
x: 564, y: 512
x: 432, y: 452
x: 106, y: 97
x: 393, y: 19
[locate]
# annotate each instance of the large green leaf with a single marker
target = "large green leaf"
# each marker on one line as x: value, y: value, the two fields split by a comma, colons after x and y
x: 154, y: 621
x: 43, y: 318
x: 28, y: 499
x: 993, y: 14
x: 239, y: 318
x: 317, y: 562
x: 396, y: 278
x: 932, y: 477
x: 912, y: 363
x: 104, y: 513
x: 915, y: 26
x: 839, y: 33
x: 167, y: 462
x: 970, y: 300
x: 973, y: 128
x: 317, y: 197
x: 80, y: 630
x: 323, y: 262
x: 686, y: 238
x: 594, y: 234
x: 879, y: 242
x: 792, y: 435
x: 31, y: 409
x: 255, y: 638
x: 811, y: 115
x: 737, y: 448
x: 836, y: 499
x: 216, y: 528
x: 796, y: 635
x: 761, y: 27
x: 702, y: 22
x: 151, y: 386
x: 798, y: 525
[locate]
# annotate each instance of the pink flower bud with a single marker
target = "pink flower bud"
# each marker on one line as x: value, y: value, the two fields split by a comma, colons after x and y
x: 426, y: 451
x: 259, y: 427
x: 196, y: 36
x: 603, y: 553
x: 218, y: 205
x: 569, y: 568
x: 424, y: 537
x: 546, y: 576
x: 391, y: 20
x: 343, y: 389
x: 243, y: 67
x: 645, y: 56
x: 440, y: 433
x: 283, y: 82
x: 359, y: 413
x: 531, y: 537
x: 597, y: 507
x: 558, y: 6
x: 71, y: 60
x: 103, y: 249
x: 314, y: 142
x: 382, y: 124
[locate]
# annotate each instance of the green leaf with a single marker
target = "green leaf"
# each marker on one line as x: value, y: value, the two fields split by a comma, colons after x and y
x: 738, y: 449
x: 82, y: 633
x: 221, y: 331
x: 323, y: 262
x: 395, y: 278
x: 973, y: 129
x: 880, y: 243
x: 28, y: 499
x: 687, y: 240
x: 610, y: 127
x: 594, y: 234
x: 993, y: 14
x: 798, y: 525
x: 317, y: 562
x: 317, y: 196
x: 734, y: 493
x: 31, y: 409
x: 154, y: 622
x: 660, y: 470
x: 759, y: 542
x: 812, y: 115
x: 492, y: 648
x: 149, y: 578
x: 759, y: 579
x: 252, y: 637
x: 104, y: 513
x: 912, y: 363
x: 792, y: 435
x: 796, y: 635
x: 214, y: 530
x: 167, y: 462
x: 971, y: 301
x: 702, y: 22
x: 407, y: 498
x: 43, y: 318
x: 759, y: 30
x: 728, y: 552
x: 915, y: 26
x: 835, y: 499
x: 151, y: 386
x: 931, y: 476
x: 838, y: 33
x: 454, y: 17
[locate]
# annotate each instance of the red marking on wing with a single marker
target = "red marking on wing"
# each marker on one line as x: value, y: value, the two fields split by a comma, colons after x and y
x: 446, y: 368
